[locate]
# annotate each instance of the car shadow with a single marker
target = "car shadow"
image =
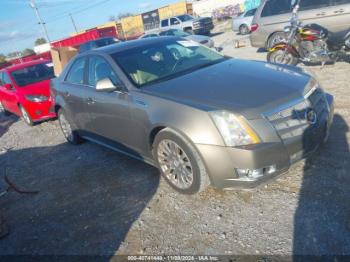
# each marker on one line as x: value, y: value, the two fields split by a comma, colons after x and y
x: 88, y: 199
x: 322, y: 219
x: 6, y: 122
x: 216, y: 34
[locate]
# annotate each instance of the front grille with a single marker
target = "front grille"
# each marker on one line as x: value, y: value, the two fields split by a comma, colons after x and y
x: 292, y: 122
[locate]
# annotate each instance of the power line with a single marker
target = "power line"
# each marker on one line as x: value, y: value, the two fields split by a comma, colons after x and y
x: 41, y: 22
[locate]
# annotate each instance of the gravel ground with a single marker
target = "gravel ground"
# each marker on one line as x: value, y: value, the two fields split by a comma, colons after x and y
x: 95, y: 201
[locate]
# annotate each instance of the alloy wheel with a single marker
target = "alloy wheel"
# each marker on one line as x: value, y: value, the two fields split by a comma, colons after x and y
x: 175, y: 164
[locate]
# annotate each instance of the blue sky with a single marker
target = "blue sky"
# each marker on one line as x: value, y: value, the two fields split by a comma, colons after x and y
x: 19, y: 26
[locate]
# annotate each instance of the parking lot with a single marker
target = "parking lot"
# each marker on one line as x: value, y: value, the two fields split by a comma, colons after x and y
x: 95, y: 201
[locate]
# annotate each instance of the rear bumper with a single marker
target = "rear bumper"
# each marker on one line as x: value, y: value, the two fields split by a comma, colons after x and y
x: 222, y: 163
x: 258, y: 39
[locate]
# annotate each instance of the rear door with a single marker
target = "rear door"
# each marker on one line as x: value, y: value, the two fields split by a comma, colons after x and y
x: 74, y: 91
x: 318, y: 12
x: 274, y: 16
x: 164, y: 24
x: 341, y: 20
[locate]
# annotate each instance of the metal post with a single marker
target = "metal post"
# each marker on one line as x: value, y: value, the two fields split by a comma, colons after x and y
x: 41, y: 22
x: 73, y: 22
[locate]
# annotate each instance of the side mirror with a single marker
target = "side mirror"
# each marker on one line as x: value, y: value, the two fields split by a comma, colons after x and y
x: 106, y: 85
x: 8, y: 86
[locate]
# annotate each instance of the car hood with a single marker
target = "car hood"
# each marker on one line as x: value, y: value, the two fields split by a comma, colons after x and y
x: 39, y: 88
x: 249, y: 88
x: 198, y: 38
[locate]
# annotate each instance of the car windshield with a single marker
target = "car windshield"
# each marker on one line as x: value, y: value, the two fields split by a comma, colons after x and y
x: 185, y: 18
x: 32, y: 74
x: 178, y: 33
x: 161, y: 61
x: 105, y: 41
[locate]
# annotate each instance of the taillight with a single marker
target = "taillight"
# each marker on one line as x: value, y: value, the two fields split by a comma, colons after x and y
x: 254, y: 27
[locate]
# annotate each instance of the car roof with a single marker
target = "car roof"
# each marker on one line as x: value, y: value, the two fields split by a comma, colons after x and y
x: 124, y: 46
x: 26, y: 64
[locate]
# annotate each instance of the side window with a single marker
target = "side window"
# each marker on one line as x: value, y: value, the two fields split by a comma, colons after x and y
x: 1, y: 82
x: 313, y: 4
x: 174, y: 21
x: 250, y: 13
x: 76, y: 72
x: 6, y: 79
x: 165, y: 23
x: 276, y: 7
x: 100, y: 69
x: 341, y: 2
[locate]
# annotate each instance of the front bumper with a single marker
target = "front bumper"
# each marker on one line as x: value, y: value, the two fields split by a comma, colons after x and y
x: 40, y: 111
x: 203, y: 30
x: 222, y: 163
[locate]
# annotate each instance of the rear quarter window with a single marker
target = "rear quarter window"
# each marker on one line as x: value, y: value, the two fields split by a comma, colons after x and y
x: 276, y: 7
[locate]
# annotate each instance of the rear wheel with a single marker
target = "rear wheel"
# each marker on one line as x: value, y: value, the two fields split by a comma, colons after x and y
x: 179, y: 162
x: 68, y: 131
x: 25, y: 116
x: 244, y: 29
x: 282, y: 57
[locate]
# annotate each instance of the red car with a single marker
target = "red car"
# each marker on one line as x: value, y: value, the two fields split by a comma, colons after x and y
x: 25, y: 91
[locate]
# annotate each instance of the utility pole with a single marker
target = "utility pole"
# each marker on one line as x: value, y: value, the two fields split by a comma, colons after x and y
x: 41, y: 22
x: 73, y: 22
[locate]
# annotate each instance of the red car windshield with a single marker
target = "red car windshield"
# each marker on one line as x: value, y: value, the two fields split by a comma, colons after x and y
x: 32, y: 74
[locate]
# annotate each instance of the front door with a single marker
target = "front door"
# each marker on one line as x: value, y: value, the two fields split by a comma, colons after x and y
x: 9, y: 98
x: 110, y: 115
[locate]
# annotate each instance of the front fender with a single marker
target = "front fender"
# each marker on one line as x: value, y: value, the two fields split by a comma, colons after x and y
x: 284, y: 46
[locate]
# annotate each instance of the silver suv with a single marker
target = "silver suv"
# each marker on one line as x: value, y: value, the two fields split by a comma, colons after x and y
x: 273, y: 15
x: 189, y: 24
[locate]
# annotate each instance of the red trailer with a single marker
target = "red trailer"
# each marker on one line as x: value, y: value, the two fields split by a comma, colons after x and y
x: 92, y: 34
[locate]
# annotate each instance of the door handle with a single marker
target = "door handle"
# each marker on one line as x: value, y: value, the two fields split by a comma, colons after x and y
x: 339, y: 11
x: 90, y: 101
x: 321, y: 14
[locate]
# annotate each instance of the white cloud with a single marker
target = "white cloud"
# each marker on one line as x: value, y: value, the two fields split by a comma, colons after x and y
x: 145, y: 5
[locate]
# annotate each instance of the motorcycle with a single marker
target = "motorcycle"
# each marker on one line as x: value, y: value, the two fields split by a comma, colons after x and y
x: 309, y: 43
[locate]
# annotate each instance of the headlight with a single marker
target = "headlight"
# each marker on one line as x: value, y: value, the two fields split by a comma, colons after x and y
x: 37, y: 98
x: 234, y: 129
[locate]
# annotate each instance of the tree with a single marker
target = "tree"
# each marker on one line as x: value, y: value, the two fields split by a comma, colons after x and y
x: 28, y: 51
x: 112, y: 18
x: 2, y: 58
x: 40, y: 41
x: 124, y: 15
x: 13, y: 54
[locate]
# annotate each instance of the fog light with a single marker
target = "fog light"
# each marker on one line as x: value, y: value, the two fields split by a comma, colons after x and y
x: 255, y: 174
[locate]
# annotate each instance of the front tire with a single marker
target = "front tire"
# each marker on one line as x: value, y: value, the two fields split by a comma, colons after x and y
x: 2, y: 109
x: 282, y: 57
x: 25, y: 116
x: 179, y: 162
x: 189, y: 31
x: 278, y: 37
x: 68, y: 131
